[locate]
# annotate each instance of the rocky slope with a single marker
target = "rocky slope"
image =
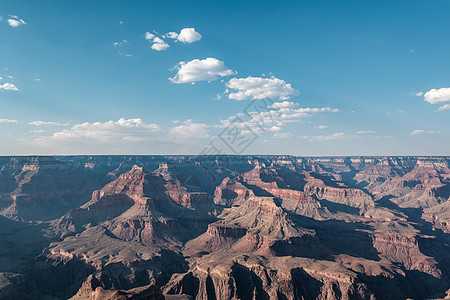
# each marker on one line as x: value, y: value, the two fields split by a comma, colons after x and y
x: 224, y: 227
x: 40, y: 188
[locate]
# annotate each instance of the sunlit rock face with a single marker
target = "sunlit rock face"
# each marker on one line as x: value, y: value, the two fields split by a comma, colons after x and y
x: 238, y: 227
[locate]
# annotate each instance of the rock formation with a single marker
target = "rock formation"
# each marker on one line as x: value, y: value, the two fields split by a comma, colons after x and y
x: 219, y: 227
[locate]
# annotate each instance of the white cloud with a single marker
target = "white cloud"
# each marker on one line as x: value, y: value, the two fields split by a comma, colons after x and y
x: 419, y: 94
x: 422, y: 132
x: 333, y: 137
x: 8, y: 87
x: 122, y: 47
x: 171, y: 35
x: 8, y: 121
x: 158, y: 43
x: 438, y: 96
x: 158, y: 40
x: 365, y: 132
x: 282, y: 135
x: 123, y: 136
x: 272, y: 119
x: 284, y: 104
x: 123, y: 129
x: 188, y: 131
x: 43, y: 123
x: 160, y: 46
x: 208, y: 69
x: 260, y: 88
x: 7, y: 76
x: 149, y: 36
x: 321, y: 127
x: 275, y: 128
x: 444, y: 107
x: 188, y: 35
x: 15, y: 21
x: 341, y: 136
x: 118, y: 44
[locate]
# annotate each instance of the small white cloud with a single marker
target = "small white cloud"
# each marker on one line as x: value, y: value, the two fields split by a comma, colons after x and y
x: 15, y: 21
x: 158, y: 40
x: 419, y: 94
x: 189, y: 35
x: 160, y: 46
x: 149, y: 36
x: 8, y: 121
x: 284, y: 104
x: 208, y: 69
x: 158, y: 43
x: 333, y: 137
x: 275, y: 128
x: 6, y: 76
x: 365, y: 132
x: 444, y: 107
x: 438, y: 96
x: 282, y: 135
x: 119, y: 44
x: 171, y: 35
x: 259, y: 88
x: 43, y: 123
x: 321, y: 127
x: 422, y: 132
x: 8, y: 87
x: 217, y: 97
x: 122, y: 47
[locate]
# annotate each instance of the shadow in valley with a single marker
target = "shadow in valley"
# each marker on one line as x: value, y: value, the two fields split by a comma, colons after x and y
x: 306, y: 287
x: 334, y: 207
x: 259, y: 192
x: 414, y: 285
x: 415, y: 216
x: 341, y: 237
x: 248, y: 284
x: 435, y: 243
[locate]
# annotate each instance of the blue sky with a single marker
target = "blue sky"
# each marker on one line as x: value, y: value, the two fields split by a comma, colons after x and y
x: 335, y: 77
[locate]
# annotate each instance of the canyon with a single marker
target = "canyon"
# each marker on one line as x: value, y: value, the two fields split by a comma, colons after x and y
x: 224, y: 227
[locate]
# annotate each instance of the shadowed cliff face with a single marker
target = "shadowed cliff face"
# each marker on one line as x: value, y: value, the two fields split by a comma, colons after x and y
x: 41, y: 188
x: 225, y: 227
